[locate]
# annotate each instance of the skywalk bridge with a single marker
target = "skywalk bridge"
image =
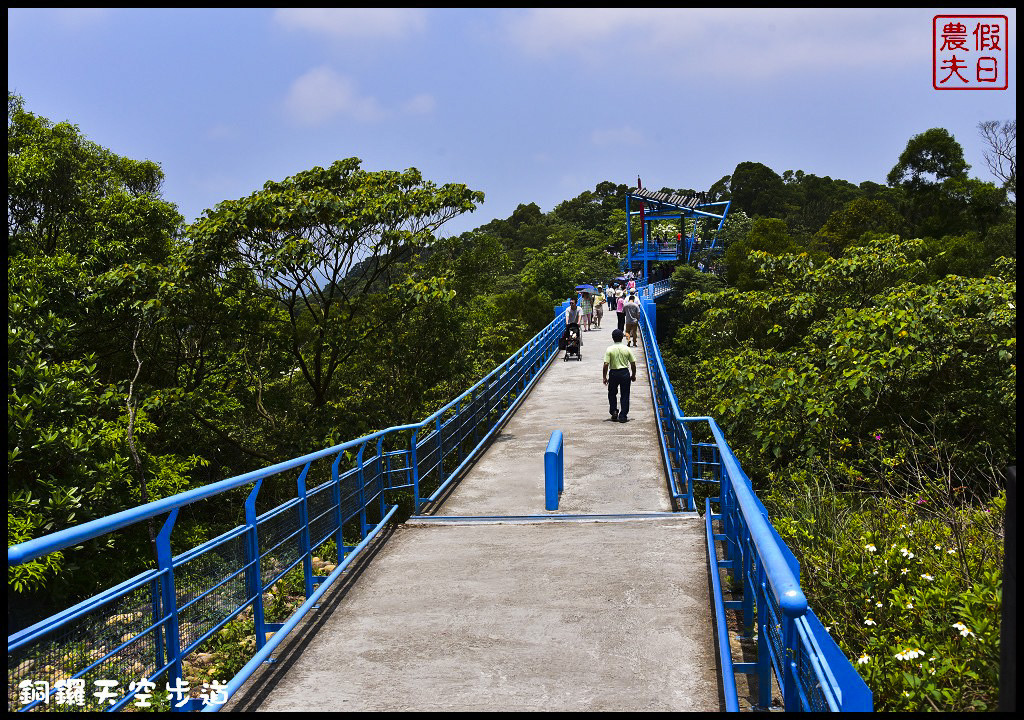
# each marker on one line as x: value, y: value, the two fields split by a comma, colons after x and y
x: 483, y: 599
x: 688, y: 210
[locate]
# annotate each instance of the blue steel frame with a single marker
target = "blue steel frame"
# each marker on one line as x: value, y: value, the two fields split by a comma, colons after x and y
x: 812, y: 672
x: 658, y: 206
x: 162, y: 616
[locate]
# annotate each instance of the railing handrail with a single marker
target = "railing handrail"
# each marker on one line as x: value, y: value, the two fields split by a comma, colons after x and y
x: 46, y: 544
x: 248, y: 567
x: 31, y: 549
x: 812, y: 671
x: 784, y: 583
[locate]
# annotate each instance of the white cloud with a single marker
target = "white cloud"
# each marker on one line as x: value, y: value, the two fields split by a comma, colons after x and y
x: 422, y: 104
x: 348, y: 23
x: 709, y: 42
x: 618, y: 136
x: 322, y: 94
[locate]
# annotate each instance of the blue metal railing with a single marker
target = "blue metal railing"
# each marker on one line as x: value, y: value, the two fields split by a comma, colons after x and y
x: 812, y: 672
x: 147, y: 628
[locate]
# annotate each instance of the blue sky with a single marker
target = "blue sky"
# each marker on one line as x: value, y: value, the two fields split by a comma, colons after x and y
x: 527, y: 105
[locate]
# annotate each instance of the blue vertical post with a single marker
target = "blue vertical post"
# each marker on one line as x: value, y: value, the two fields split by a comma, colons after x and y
x: 554, y: 471
x: 764, y: 661
x: 364, y: 528
x: 385, y: 475
x: 253, y: 576
x: 158, y: 629
x: 688, y: 457
x: 790, y: 696
x: 304, y: 541
x: 750, y: 575
x: 170, y: 603
x: 414, y: 460
x: 336, y: 496
x: 440, y: 452
x: 459, y: 443
x: 647, y: 234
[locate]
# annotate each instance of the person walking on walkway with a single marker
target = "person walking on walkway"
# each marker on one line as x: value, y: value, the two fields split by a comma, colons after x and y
x: 572, y: 314
x: 632, y: 312
x: 598, y: 309
x: 619, y: 302
x: 587, y: 308
x: 615, y: 375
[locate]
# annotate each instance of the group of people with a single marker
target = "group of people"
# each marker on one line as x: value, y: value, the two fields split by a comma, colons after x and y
x: 619, y: 370
x: 587, y: 309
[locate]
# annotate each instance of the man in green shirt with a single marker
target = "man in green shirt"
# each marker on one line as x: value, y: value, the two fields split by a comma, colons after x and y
x: 616, y: 376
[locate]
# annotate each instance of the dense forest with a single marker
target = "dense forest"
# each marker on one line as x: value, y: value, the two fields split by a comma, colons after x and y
x: 857, y: 343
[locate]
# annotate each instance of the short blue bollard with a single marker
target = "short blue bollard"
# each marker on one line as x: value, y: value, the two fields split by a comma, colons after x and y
x: 554, y: 470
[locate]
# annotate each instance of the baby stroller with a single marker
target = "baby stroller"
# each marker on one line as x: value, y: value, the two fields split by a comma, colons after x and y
x: 573, y: 342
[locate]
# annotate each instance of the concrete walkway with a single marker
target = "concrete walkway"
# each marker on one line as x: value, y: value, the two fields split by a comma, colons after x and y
x: 583, y: 616
x: 610, y: 467
x: 468, y: 610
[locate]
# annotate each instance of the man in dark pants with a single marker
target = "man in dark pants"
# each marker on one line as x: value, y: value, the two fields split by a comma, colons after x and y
x: 616, y: 376
x: 620, y: 301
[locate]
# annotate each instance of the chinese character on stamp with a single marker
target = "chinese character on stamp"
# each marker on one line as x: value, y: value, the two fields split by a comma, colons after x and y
x: 970, y: 52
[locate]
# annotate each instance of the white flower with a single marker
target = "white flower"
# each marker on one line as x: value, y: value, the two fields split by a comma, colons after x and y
x: 964, y: 631
x: 906, y: 553
x: 904, y: 571
x: 878, y: 604
x: 910, y: 606
x: 874, y: 572
x: 951, y: 551
x: 864, y: 659
x: 909, y: 654
x: 870, y: 548
x: 926, y: 576
x: 869, y: 621
x: 910, y: 533
x: 938, y: 547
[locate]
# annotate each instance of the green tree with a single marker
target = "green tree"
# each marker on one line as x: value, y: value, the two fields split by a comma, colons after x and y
x: 768, y: 235
x: 322, y: 241
x: 931, y: 171
x: 810, y: 200
x: 836, y: 350
x: 757, y: 190
x: 928, y: 160
x: 845, y: 227
x: 89, y: 243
